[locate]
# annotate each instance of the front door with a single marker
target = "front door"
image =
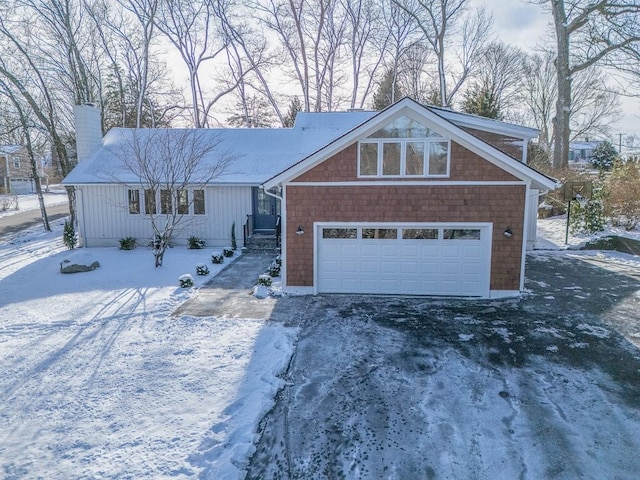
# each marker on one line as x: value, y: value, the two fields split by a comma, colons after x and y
x: 265, y: 210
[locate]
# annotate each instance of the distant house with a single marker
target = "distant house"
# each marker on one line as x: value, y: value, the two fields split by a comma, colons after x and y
x: 410, y: 200
x: 582, y: 152
x: 15, y: 170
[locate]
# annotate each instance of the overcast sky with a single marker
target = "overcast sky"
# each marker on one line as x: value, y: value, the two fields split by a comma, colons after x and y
x: 527, y: 25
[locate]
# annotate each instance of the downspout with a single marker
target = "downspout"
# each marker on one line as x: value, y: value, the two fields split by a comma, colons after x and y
x: 80, y: 211
x: 283, y: 231
x: 525, y: 234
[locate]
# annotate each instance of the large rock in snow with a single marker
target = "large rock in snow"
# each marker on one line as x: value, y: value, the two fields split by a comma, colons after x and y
x: 78, y: 262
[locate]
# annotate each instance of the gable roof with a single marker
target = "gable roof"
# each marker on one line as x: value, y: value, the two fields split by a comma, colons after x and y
x: 432, y: 117
x: 9, y: 149
x: 256, y: 153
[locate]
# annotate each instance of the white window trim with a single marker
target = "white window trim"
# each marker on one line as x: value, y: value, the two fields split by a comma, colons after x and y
x: 403, y: 156
x: 174, y: 202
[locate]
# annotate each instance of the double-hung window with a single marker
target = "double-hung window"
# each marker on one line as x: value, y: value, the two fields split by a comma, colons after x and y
x: 404, y: 148
x: 183, y: 202
x: 134, y: 201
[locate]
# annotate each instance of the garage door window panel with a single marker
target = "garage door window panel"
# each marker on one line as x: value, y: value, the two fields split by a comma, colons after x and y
x: 420, y: 233
x: 339, y: 233
x: 380, y: 233
x: 461, y: 234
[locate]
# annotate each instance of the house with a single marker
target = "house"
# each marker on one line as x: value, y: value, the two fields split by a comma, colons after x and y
x: 582, y: 152
x: 15, y: 170
x: 411, y: 200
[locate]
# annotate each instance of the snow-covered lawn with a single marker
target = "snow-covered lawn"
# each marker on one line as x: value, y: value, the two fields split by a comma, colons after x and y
x: 99, y: 380
x: 56, y: 195
x: 552, y: 233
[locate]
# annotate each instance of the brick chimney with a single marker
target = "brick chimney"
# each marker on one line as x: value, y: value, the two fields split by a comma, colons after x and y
x: 88, y: 130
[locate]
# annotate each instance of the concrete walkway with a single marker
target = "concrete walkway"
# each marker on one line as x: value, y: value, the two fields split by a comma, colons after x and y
x: 229, y: 294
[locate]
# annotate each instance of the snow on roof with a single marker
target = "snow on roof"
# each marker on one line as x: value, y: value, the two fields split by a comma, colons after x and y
x: 489, y: 124
x: 256, y: 153
x: 584, y: 145
x: 9, y: 148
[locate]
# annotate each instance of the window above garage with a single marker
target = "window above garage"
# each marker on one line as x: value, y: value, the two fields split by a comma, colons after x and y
x: 404, y: 148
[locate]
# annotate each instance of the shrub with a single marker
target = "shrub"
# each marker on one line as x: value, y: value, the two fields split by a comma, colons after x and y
x: 8, y: 202
x: 590, y: 218
x: 69, y: 236
x: 264, y: 280
x: 274, y: 270
x: 228, y: 252
x: 202, y: 269
x: 622, y: 204
x: 185, y: 280
x: 195, y: 243
x: 217, y: 257
x: 127, y: 243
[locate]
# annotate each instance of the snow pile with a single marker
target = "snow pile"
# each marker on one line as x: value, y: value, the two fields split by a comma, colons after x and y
x: 101, y: 381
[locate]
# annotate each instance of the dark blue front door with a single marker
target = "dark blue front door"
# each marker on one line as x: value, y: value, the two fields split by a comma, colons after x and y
x: 265, y: 210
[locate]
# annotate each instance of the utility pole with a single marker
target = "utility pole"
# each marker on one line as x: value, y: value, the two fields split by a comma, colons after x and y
x: 620, y: 143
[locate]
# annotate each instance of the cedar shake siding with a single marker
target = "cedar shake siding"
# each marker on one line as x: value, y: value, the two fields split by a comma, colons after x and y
x: 501, y: 205
x: 465, y: 166
x: 510, y: 145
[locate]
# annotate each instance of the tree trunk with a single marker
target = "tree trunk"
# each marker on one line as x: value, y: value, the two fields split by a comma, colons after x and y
x: 561, y: 125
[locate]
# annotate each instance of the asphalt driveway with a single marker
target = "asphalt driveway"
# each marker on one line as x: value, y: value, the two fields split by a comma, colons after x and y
x: 544, y: 387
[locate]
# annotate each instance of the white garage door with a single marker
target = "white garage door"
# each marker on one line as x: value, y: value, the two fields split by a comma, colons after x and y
x: 20, y: 186
x: 434, y: 259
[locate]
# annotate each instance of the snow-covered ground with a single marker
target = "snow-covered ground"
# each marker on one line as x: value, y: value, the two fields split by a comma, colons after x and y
x: 552, y: 233
x: 99, y: 380
x: 56, y: 195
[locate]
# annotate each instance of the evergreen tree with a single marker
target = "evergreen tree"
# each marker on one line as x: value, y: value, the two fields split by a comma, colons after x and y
x: 604, y: 155
x: 388, y: 91
x: 482, y: 101
x: 294, y: 107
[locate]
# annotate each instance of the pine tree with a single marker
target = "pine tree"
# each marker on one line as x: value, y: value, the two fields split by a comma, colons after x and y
x: 604, y: 155
x: 388, y: 91
x: 290, y: 118
x: 69, y: 236
x: 481, y: 101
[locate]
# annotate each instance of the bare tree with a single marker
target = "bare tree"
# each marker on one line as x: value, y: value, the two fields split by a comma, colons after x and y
x: 194, y: 30
x: 170, y: 166
x: 603, y: 32
x: 445, y: 23
x: 27, y: 127
x: 500, y: 73
x: 594, y: 106
x: 538, y: 94
x: 25, y: 71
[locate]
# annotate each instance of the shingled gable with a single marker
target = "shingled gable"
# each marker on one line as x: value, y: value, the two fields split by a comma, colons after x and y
x: 433, y: 118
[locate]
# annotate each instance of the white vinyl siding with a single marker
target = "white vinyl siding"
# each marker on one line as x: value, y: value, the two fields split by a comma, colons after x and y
x: 104, y: 216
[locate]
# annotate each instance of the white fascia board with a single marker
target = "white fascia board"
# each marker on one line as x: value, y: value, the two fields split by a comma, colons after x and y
x: 487, y: 124
x: 433, y: 120
x: 361, y: 131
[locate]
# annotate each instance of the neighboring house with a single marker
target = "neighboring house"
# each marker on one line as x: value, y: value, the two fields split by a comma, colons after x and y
x: 582, y: 152
x: 15, y: 170
x: 411, y: 200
